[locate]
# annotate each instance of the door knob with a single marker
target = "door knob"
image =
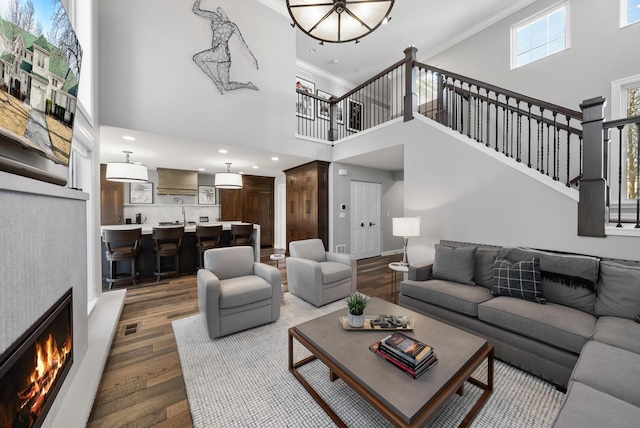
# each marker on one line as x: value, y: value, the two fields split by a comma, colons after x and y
x: 371, y: 224
x: 361, y: 224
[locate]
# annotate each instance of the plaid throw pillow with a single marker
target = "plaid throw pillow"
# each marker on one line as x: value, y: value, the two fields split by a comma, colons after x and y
x: 522, y: 280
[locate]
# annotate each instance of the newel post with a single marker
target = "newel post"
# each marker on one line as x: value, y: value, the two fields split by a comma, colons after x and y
x: 593, y: 186
x: 410, y: 92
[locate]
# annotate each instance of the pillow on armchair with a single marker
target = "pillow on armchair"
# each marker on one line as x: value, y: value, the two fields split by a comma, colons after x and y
x: 522, y: 280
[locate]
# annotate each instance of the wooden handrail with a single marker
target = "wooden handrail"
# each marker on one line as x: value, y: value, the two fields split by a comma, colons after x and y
x: 622, y: 122
x: 520, y: 97
x: 373, y: 79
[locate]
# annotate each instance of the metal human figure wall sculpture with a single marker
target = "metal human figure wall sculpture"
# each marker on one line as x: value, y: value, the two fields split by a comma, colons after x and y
x: 216, y: 62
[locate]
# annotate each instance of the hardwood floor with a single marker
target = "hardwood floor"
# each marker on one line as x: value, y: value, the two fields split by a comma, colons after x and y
x: 142, y: 383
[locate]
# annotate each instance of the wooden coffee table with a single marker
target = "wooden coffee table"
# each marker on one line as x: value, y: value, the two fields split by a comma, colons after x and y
x: 404, y: 401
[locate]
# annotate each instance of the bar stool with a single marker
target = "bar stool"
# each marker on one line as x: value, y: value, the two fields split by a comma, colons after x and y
x: 168, y: 243
x: 241, y: 234
x: 207, y: 237
x: 122, y: 245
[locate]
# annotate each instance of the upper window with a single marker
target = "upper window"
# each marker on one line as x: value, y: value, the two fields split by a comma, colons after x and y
x: 540, y: 35
x: 629, y: 12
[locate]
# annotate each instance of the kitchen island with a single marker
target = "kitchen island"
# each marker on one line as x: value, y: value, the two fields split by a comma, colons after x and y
x: 188, y: 254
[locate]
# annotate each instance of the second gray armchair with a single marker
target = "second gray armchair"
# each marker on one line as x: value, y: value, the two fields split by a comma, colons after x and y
x: 319, y: 276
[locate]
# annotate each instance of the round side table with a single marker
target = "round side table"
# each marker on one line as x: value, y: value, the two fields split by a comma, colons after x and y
x: 277, y: 258
x: 396, y: 268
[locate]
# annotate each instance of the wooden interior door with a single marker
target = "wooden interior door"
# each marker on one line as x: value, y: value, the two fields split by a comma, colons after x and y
x: 258, y: 208
x: 111, y: 200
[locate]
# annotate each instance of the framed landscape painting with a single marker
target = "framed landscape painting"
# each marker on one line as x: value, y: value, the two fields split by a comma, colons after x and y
x: 355, y: 115
x: 206, y: 195
x: 141, y: 193
x: 305, y: 105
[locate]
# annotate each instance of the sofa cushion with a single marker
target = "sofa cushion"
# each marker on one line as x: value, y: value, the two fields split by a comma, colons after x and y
x: 567, y: 279
x: 611, y: 370
x: 619, y: 332
x: 446, y: 294
x: 483, y: 273
x: 334, y: 271
x: 554, y: 324
x: 618, y: 290
x: 587, y: 407
x: 454, y: 264
x: 521, y: 280
x: 244, y: 290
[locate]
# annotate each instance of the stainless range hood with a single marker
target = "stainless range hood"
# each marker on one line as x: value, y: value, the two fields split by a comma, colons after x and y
x: 177, y: 182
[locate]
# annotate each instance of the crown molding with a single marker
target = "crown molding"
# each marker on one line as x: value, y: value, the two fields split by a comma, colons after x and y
x: 513, y: 8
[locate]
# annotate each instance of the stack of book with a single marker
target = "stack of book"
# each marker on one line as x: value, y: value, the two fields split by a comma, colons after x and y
x: 408, y: 354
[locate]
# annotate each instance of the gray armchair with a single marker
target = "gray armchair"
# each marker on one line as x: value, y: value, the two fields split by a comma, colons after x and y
x: 319, y: 276
x: 235, y: 293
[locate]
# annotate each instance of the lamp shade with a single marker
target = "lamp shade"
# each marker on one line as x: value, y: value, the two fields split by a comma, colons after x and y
x: 228, y: 180
x: 406, y: 226
x: 127, y: 172
x: 338, y: 21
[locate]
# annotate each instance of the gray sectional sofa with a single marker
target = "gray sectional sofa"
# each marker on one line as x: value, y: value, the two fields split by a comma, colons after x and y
x: 583, y: 338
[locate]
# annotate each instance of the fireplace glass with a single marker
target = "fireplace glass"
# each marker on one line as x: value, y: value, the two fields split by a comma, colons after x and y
x: 33, y: 369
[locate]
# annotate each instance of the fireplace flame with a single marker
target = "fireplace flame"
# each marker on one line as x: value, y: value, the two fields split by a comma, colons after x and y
x: 49, y: 360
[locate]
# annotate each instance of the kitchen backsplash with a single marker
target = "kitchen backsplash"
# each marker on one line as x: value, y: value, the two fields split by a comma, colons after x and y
x: 155, y: 213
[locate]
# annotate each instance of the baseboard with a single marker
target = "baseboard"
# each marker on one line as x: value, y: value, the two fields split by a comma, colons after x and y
x: 392, y: 252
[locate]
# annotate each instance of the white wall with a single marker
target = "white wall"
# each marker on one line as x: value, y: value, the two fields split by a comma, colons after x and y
x: 600, y: 52
x: 149, y: 82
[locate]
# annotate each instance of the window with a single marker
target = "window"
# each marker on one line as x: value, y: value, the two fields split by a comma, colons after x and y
x: 629, y: 12
x: 631, y: 94
x: 540, y: 35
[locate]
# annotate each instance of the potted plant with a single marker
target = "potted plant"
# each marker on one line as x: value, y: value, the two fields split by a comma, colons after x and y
x: 356, y: 303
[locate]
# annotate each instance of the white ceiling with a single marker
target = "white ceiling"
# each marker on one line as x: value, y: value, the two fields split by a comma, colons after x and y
x: 430, y: 25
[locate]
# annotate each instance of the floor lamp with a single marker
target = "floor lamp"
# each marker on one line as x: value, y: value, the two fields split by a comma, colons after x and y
x: 406, y: 227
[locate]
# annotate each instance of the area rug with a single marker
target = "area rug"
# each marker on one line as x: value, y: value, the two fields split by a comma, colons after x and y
x: 242, y: 380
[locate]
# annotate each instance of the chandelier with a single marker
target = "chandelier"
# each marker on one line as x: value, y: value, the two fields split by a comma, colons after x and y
x: 339, y: 21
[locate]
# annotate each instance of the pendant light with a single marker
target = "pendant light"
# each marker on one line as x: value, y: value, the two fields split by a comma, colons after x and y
x: 127, y: 172
x: 228, y: 180
x: 339, y: 21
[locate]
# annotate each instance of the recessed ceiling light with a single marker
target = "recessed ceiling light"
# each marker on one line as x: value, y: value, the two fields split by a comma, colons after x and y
x: 312, y: 51
x: 241, y: 173
x: 275, y: 158
x: 138, y: 163
x: 334, y: 61
x: 129, y: 138
x: 222, y: 151
x: 201, y: 169
x: 255, y: 167
x: 355, y: 71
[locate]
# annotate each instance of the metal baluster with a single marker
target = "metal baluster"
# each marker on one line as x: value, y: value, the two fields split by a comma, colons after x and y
x: 568, y: 151
x: 488, y: 142
x: 580, y: 142
x: 518, y: 140
x: 529, y: 142
x: 506, y: 135
x: 548, y: 147
x: 556, y: 148
x: 538, y: 147
x: 469, y: 113
x: 620, y: 176
x: 497, y: 99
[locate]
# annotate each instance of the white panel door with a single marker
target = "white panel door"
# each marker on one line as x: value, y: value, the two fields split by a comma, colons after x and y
x: 365, y: 219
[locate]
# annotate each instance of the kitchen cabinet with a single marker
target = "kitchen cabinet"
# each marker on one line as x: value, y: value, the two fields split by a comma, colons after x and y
x: 251, y: 204
x: 308, y: 202
x: 111, y: 199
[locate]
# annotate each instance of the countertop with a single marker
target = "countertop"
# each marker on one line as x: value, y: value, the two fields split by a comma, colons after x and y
x: 147, y: 228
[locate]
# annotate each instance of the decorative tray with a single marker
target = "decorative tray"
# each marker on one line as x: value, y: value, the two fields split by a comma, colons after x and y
x: 367, y: 324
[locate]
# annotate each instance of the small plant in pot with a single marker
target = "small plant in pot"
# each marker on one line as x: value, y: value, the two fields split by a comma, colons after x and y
x: 356, y: 303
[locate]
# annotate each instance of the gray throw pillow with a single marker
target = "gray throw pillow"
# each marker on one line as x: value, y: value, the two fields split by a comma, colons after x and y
x: 618, y: 290
x: 455, y: 264
x: 485, y: 257
x: 522, y: 280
